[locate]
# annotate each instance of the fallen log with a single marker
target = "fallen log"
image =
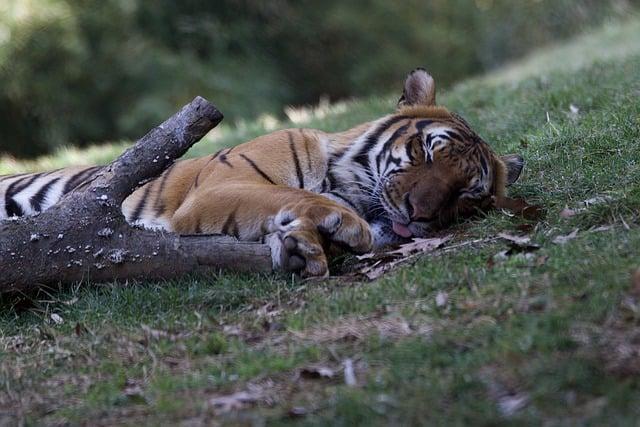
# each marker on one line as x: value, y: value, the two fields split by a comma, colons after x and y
x: 86, y: 238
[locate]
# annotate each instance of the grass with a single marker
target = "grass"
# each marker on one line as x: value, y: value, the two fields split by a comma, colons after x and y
x: 550, y: 336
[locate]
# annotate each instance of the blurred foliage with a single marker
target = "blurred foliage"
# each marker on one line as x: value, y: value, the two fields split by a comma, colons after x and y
x: 80, y: 71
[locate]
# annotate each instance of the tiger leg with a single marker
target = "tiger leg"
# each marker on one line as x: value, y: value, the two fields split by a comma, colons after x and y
x: 295, y: 223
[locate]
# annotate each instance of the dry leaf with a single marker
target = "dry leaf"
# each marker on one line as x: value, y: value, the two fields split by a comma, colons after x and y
x: 597, y: 200
x: 420, y: 245
x: 366, y: 256
x: 57, y: 319
x: 561, y: 240
x: 518, y: 244
x: 520, y: 207
x: 133, y: 392
x: 584, y: 205
x: 574, y: 112
x: 441, y: 299
x: 568, y: 213
x: 509, y: 405
x: 518, y: 240
x: 298, y: 411
x: 316, y: 372
x: 233, y: 401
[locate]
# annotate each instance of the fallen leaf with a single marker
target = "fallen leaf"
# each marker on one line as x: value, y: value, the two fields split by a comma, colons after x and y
x: 568, y: 213
x: 420, y: 245
x: 520, y: 207
x: 502, y: 255
x: 133, y: 392
x: 518, y: 240
x: 574, y: 112
x: 441, y: 299
x: 584, y: 205
x: 349, y: 374
x: 509, y: 405
x: 298, y: 411
x: 366, y: 256
x: 597, y: 200
x: 561, y: 240
x: 316, y: 372
x: 233, y: 401
x: 57, y: 319
x: 518, y: 244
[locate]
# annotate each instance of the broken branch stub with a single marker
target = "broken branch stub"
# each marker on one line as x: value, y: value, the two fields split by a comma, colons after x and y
x: 85, y: 236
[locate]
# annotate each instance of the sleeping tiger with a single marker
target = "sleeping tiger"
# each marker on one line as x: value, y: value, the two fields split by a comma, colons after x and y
x: 302, y: 190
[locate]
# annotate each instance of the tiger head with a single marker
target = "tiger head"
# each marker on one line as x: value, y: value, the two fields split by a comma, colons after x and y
x: 437, y: 169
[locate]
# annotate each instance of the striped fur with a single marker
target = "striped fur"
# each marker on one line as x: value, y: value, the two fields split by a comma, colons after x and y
x: 400, y: 176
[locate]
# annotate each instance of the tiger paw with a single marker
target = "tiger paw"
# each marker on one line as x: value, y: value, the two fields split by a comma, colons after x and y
x: 299, y: 233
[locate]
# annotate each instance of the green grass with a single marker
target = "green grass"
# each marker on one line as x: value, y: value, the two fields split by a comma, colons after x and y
x: 548, y: 337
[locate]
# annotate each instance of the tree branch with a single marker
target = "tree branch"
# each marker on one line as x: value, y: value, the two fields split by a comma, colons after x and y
x: 85, y: 236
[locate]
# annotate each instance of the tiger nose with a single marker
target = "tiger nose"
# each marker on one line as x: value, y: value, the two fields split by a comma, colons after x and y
x: 417, y: 210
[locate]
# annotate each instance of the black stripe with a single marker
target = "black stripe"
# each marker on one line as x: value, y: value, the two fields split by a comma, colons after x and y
x: 5, y: 177
x: 79, y: 178
x: 454, y: 135
x: 483, y: 163
x: 230, y: 225
x: 159, y: 204
x: 330, y: 176
x: 223, y: 158
x: 197, y: 180
x: 296, y: 161
x: 428, y: 142
x: 340, y: 196
x: 387, y: 145
x: 363, y: 156
x: 140, y: 206
x: 37, y: 199
x: 423, y: 124
x: 10, y: 205
x: 408, y: 148
x: 257, y: 169
x: 306, y: 149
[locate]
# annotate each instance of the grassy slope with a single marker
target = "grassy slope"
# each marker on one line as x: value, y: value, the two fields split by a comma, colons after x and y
x: 549, y: 337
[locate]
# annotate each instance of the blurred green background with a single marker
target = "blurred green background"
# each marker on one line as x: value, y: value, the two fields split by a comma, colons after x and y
x: 81, y: 71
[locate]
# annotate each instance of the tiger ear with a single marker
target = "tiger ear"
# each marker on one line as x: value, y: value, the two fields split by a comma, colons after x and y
x: 514, y: 164
x: 419, y: 89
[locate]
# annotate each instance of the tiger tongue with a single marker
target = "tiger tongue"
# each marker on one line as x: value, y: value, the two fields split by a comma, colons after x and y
x: 402, y: 230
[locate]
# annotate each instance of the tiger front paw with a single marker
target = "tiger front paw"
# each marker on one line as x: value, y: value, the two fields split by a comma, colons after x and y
x: 300, y: 233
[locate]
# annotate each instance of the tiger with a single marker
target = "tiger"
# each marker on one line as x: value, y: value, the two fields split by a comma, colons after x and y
x: 302, y: 191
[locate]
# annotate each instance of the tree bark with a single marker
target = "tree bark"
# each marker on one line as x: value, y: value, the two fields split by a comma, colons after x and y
x: 85, y: 237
